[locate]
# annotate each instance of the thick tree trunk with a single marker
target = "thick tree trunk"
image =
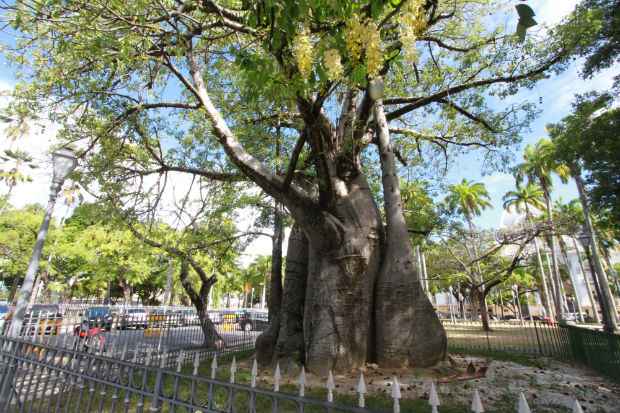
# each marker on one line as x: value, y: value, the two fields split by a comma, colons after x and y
x: 408, y: 331
x: 290, y: 343
x: 266, y: 342
x: 344, y: 252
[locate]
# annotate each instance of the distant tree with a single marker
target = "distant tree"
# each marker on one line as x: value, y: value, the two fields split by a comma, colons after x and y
x: 526, y: 199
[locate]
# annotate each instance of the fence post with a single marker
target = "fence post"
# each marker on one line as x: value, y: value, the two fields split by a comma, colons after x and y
x: 540, y: 349
x: 155, y: 406
x: 9, y: 376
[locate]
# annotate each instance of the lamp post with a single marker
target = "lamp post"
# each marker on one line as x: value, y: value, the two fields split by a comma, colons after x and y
x: 64, y: 162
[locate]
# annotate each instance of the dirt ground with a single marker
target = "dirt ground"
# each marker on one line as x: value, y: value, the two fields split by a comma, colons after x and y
x: 549, y: 386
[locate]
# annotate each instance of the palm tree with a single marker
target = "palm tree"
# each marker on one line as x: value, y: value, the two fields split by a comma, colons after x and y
x: 15, y: 160
x: 523, y: 200
x: 539, y: 164
x: 470, y: 199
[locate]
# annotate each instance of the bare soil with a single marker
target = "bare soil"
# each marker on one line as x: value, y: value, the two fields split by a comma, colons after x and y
x: 549, y: 385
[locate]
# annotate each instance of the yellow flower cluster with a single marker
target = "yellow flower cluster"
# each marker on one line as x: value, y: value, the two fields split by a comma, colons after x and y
x: 354, y: 38
x: 303, y: 53
x: 374, y: 54
x: 333, y: 64
x: 364, y: 36
x: 413, y: 23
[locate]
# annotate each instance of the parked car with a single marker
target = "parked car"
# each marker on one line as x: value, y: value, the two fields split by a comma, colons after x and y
x: 4, y: 312
x: 215, y: 317
x: 254, y: 320
x: 98, y: 317
x: 42, y: 319
x: 133, y: 318
x: 187, y: 317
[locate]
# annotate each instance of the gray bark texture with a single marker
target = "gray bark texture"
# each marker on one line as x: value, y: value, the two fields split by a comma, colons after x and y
x: 344, y: 255
x: 408, y: 331
x: 266, y: 342
x: 290, y: 342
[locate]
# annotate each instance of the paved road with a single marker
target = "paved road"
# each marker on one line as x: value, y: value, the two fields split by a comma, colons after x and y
x: 167, y: 339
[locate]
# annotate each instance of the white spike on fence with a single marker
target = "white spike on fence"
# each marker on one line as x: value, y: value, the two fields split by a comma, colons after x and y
x: 330, y: 387
x: 148, y: 356
x: 163, y: 360
x: 196, y: 363
x: 180, y: 360
x: 361, y: 390
x: 124, y: 352
x: 577, y: 407
x: 254, y: 373
x: 476, y: 403
x: 302, y: 382
x: 233, y: 369
x: 523, y: 406
x: 433, y: 398
x: 134, y: 359
x: 396, y: 394
x: 276, y: 378
x: 214, y: 367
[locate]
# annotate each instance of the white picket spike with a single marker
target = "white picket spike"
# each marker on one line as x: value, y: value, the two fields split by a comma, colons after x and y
x: 523, y: 406
x: 148, y: 356
x: 233, y: 369
x: 276, y: 378
x: 180, y: 359
x: 396, y: 394
x: 433, y: 398
x: 163, y: 360
x: 577, y: 407
x: 124, y: 352
x: 361, y: 390
x: 254, y: 373
x: 214, y: 367
x: 196, y: 363
x: 302, y: 382
x: 476, y: 403
x: 330, y: 387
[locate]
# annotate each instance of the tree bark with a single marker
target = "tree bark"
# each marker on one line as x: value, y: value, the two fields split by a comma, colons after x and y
x: 611, y: 317
x: 409, y: 332
x: 290, y: 342
x: 344, y: 252
x: 597, y: 317
x: 554, y: 258
x: 200, y: 300
x: 266, y: 342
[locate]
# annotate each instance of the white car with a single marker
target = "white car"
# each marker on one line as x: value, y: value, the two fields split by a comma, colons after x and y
x: 133, y: 317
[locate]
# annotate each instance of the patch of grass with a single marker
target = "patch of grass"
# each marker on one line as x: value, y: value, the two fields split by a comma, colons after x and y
x: 523, y: 359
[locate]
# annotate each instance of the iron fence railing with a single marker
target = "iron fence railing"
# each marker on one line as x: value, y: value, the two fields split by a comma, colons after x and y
x: 596, y: 349
x: 525, y: 337
x: 137, y: 333
x: 42, y: 378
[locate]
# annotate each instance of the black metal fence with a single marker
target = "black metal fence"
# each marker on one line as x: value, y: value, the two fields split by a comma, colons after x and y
x: 42, y: 378
x: 596, y: 349
x: 139, y: 329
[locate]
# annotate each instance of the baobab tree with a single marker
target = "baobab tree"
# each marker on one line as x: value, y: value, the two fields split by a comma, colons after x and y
x: 202, y: 88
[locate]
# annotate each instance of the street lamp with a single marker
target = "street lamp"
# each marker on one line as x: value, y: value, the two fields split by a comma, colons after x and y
x: 64, y: 162
x: 586, y: 240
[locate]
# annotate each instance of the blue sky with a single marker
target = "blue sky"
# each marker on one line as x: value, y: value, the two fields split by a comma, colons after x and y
x: 557, y: 94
